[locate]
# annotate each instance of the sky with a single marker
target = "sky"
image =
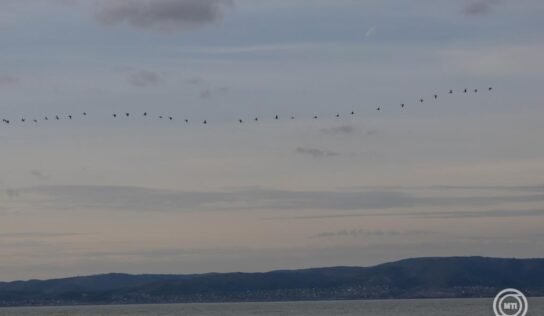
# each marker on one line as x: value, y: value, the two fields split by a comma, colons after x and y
x: 459, y: 176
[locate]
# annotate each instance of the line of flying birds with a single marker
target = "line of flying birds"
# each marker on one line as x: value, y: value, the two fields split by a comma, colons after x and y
x: 171, y: 118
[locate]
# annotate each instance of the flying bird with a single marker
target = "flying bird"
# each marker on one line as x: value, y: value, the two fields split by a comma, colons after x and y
x: 127, y: 114
x: 466, y: 90
x: 352, y: 112
x: 436, y: 96
x: 186, y: 121
x: 421, y: 100
x: 337, y: 115
x: 241, y: 121
x: 315, y: 117
x: 402, y: 105
x: 84, y: 113
x: 277, y: 117
x: 451, y: 91
x: 378, y: 109
x: 170, y: 118
x: 145, y: 113
x: 475, y: 90
x: 490, y: 88
x: 205, y: 122
x: 114, y: 115
x: 57, y: 117
x: 69, y: 116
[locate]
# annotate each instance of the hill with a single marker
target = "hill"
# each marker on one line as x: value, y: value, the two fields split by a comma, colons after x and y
x: 454, y: 277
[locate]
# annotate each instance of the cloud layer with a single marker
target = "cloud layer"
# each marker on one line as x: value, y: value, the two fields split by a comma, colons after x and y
x: 162, y: 15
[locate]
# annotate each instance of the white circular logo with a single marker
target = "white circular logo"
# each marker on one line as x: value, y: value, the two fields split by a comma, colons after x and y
x: 510, y: 302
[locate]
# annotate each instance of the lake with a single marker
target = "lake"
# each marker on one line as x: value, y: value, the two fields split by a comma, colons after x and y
x: 471, y: 307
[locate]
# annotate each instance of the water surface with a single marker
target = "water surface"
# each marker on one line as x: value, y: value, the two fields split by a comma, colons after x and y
x: 459, y: 307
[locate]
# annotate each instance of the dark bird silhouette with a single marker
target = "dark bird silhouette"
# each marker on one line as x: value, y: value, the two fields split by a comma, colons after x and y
x: 436, y: 96
x: 186, y: 121
x: 475, y: 90
x: 160, y: 117
x: 337, y: 115
x: 451, y: 91
x: 490, y: 88
x: 241, y: 121
x: 145, y: 113
x: 69, y: 116
x: 57, y: 117
x: 114, y: 115
x: 46, y: 118
x: 402, y: 105
x: 292, y: 117
x: 421, y: 100
x: 84, y: 113
x: 170, y: 118
x: 352, y: 112
x: 315, y: 117
x: 35, y: 121
x: 466, y: 90
x: 378, y: 109
x: 127, y: 114
x: 277, y: 117
x: 205, y: 122
x: 256, y: 119
x: 23, y: 120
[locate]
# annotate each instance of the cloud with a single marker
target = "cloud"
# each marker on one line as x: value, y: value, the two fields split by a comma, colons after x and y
x: 360, y: 203
x: 39, y: 235
x: 39, y: 175
x: 209, y: 92
x: 144, y: 78
x: 8, y: 81
x: 480, y: 7
x: 162, y: 15
x: 315, y: 152
x: 343, y: 129
x: 355, y: 233
x: 205, y: 94
x: 370, y: 32
x: 12, y: 193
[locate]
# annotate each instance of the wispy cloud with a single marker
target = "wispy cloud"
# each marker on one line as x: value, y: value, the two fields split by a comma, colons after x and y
x: 316, y: 152
x: 8, y: 81
x: 356, y: 233
x: 162, y: 15
x: 342, y: 129
x: 81, y: 198
x: 144, y: 78
x: 38, y: 235
x: 39, y: 175
x: 371, y: 31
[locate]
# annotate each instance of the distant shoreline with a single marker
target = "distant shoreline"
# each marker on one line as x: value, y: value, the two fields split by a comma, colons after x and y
x: 420, y: 278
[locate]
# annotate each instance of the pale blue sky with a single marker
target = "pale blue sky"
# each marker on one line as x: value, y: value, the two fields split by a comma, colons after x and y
x: 461, y: 176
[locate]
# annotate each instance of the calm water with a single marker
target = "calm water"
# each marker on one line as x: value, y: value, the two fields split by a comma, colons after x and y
x: 346, y: 308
